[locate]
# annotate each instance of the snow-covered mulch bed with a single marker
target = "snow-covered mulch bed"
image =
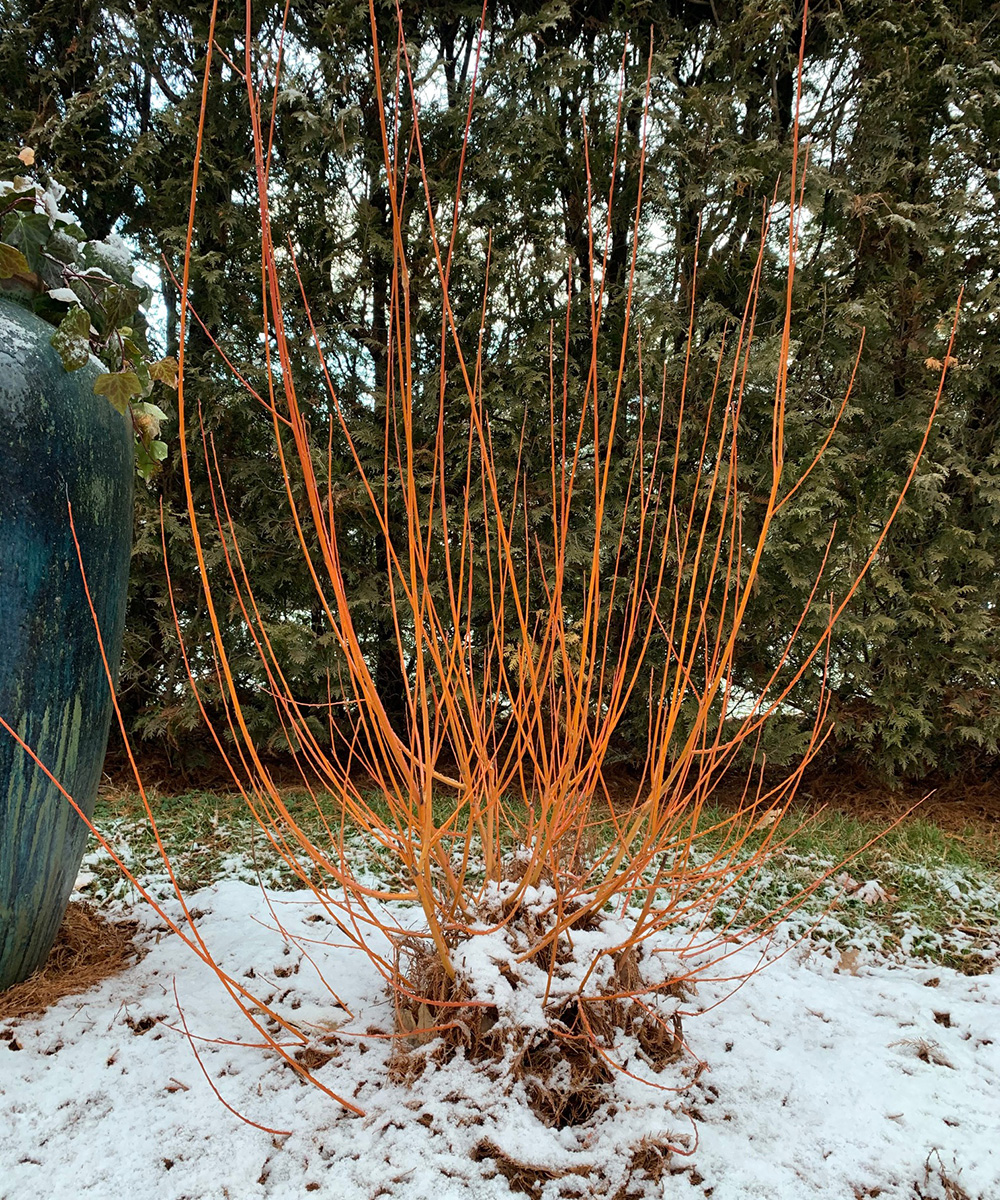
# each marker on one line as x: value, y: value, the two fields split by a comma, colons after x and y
x: 827, y: 1074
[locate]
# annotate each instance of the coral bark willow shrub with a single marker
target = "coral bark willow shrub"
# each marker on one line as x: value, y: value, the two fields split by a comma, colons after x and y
x: 540, y: 948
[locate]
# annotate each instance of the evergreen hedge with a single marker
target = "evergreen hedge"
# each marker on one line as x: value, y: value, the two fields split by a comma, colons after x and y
x: 902, y: 116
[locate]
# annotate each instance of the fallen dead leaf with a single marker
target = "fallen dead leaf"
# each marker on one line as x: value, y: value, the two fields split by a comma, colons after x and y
x: 848, y: 961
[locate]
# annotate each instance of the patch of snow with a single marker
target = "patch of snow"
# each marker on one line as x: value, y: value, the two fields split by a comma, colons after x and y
x: 47, y: 201
x: 114, y: 250
x: 15, y: 342
x: 872, y: 892
x: 807, y: 1083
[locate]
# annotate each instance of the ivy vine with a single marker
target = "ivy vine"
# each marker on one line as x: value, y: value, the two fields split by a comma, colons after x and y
x: 88, y: 290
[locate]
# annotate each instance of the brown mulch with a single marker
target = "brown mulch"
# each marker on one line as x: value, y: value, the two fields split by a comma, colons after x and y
x: 956, y: 806
x: 88, y: 949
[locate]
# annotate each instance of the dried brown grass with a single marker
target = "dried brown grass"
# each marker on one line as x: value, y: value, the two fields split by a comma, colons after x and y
x: 88, y: 949
x: 940, y: 1182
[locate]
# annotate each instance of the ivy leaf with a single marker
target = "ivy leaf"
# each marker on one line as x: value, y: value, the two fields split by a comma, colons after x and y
x: 165, y: 371
x: 147, y: 418
x: 148, y: 458
x: 72, y: 339
x: 142, y: 373
x: 118, y: 304
x: 30, y: 233
x: 119, y: 387
x: 12, y: 262
x: 129, y: 348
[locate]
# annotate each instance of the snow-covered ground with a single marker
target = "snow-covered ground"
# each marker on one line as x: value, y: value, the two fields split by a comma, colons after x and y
x: 829, y: 1074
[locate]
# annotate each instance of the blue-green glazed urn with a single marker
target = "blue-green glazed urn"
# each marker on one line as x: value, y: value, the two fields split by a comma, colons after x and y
x: 59, y: 444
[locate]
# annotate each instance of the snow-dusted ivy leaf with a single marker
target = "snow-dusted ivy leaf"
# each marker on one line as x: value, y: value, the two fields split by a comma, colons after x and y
x: 72, y: 339
x: 64, y: 295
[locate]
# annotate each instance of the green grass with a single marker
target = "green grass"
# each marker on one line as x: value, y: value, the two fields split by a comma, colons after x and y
x: 938, y: 892
x: 941, y: 889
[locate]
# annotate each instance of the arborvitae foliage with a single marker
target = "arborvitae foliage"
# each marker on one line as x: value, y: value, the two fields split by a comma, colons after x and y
x: 902, y: 117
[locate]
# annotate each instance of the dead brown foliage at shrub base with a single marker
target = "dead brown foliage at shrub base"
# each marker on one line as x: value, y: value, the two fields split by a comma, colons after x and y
x: 647, y: 1162
x: 88, y: 949
x: 566, y: 1069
